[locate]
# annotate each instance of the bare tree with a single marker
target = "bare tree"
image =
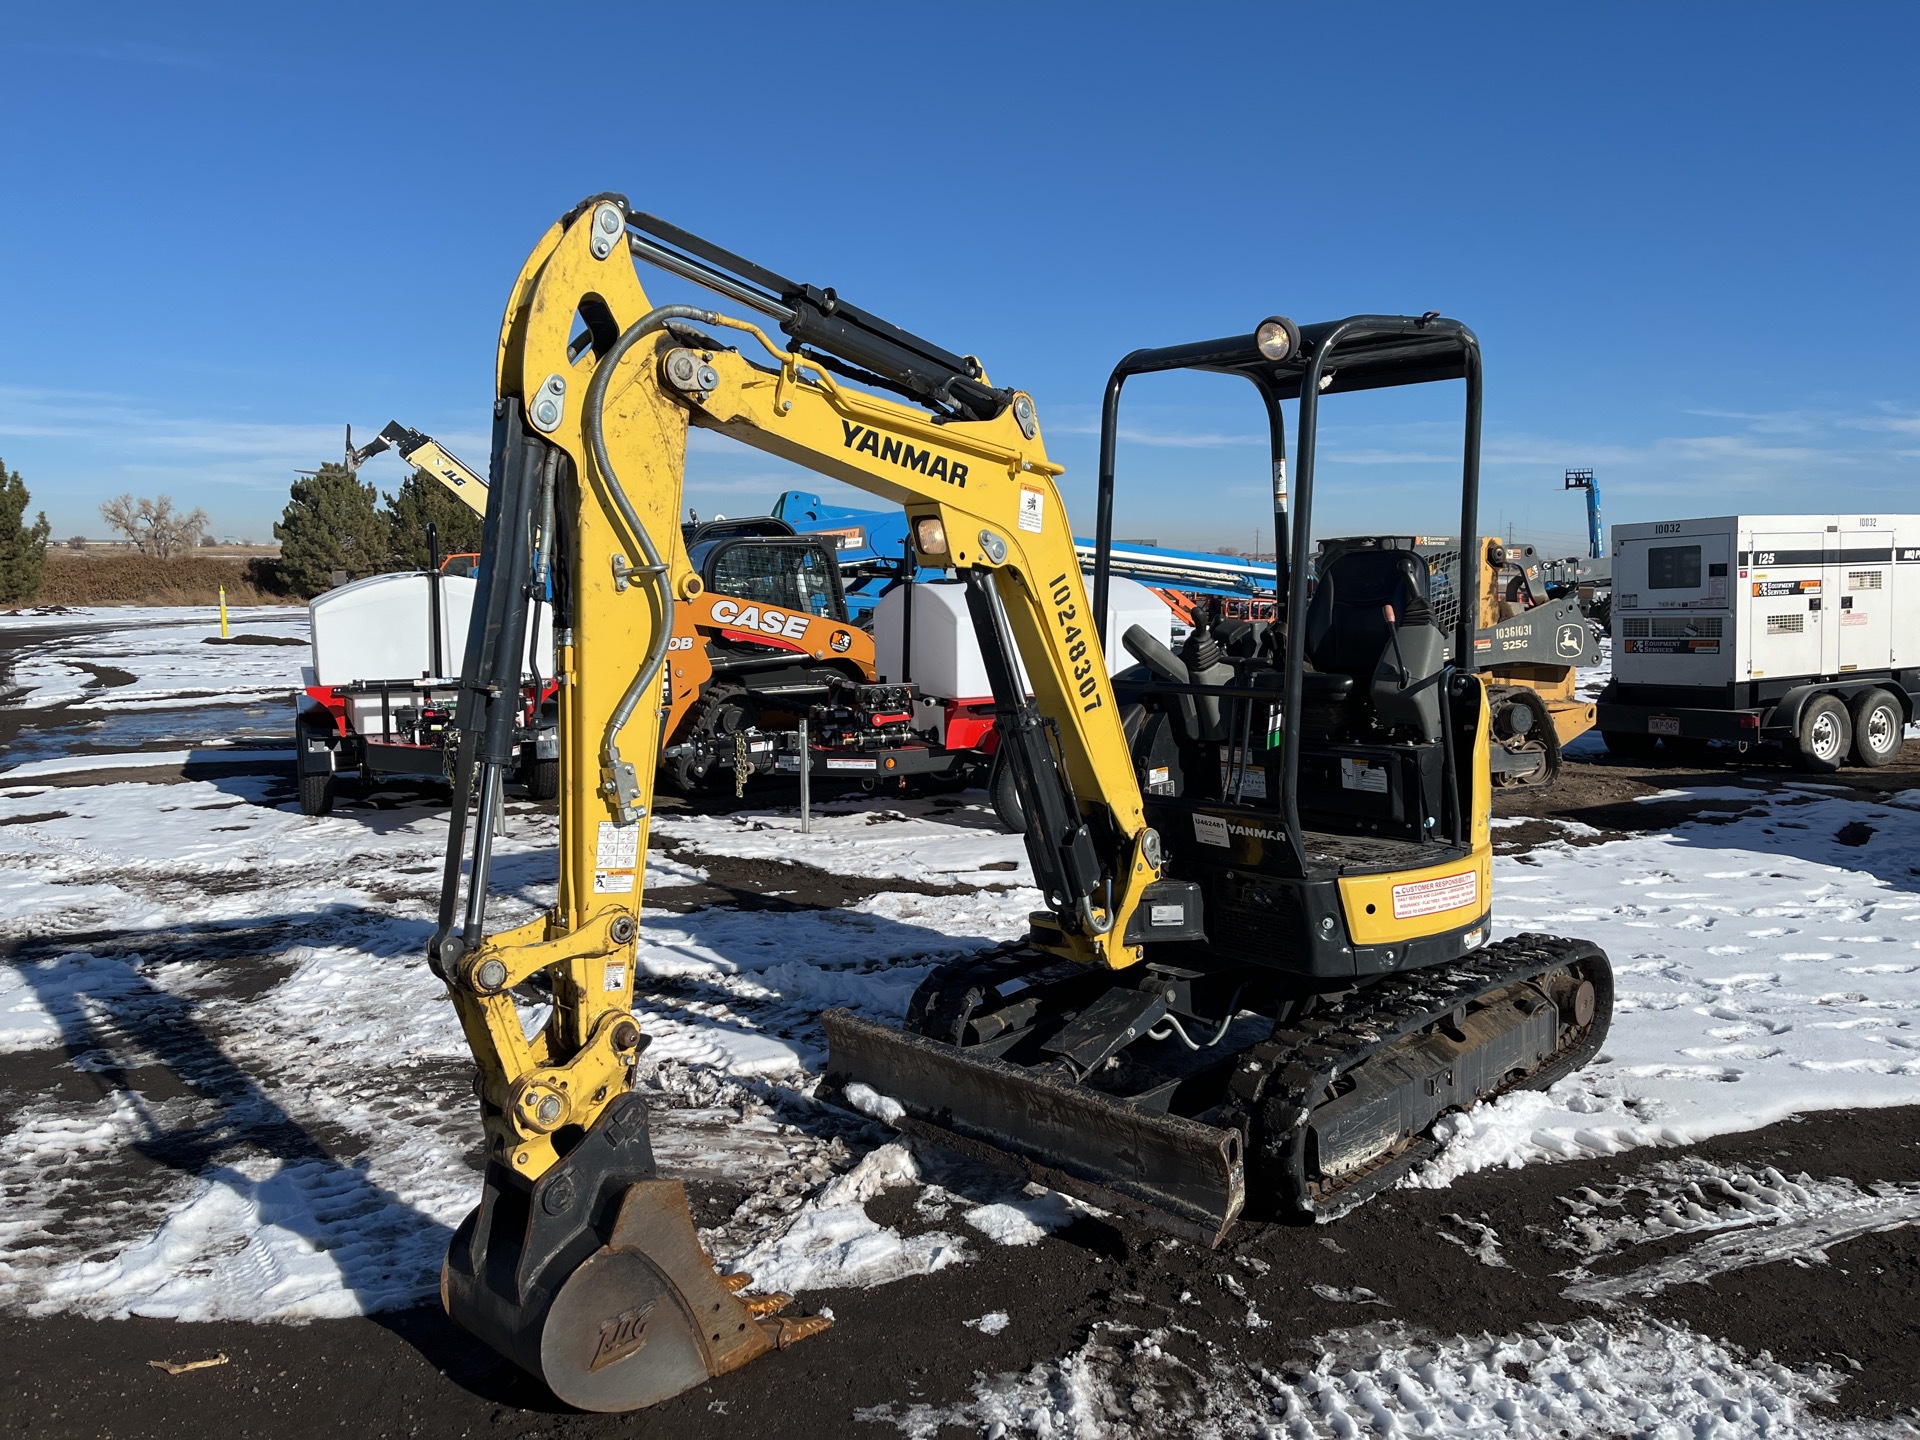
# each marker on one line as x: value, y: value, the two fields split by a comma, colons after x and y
x: 154, y: 526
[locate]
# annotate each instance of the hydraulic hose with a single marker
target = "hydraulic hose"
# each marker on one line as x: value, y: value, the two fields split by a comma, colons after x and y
x: 626, y: 788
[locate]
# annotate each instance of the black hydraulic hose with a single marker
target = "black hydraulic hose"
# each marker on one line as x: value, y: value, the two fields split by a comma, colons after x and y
x: 654, y: 568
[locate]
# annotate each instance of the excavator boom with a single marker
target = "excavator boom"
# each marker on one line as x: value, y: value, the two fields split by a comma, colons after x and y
x: 584, y: 495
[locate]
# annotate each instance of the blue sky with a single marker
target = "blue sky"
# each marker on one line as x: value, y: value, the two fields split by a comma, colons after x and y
x: 1684, y: 234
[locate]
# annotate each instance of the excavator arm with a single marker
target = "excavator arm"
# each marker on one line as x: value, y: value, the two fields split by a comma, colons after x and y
x: 580, y: 1263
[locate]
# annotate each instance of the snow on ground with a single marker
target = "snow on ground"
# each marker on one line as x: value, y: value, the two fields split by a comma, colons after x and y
x: 1766, y: 962
x: 1641, y: 1378
x: 165, y: 649
x: 927, y: 842
x: 232, y: 945
x: 1766, y: 965
x: 240, y: 995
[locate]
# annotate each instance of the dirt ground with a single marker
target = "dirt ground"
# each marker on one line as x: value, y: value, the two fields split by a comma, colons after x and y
x: 412, y: 1373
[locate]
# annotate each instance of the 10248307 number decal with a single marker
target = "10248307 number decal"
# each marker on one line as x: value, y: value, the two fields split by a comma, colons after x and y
x: 1080, y: 655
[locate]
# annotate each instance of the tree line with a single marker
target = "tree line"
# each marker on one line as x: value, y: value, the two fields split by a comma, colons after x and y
x: 333, y: 526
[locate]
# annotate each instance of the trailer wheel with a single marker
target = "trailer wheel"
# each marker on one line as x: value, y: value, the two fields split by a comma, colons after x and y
x: 1825, y: 736
x: 1630, y: 746
x: 315, y: 781
x: 316, y: 792
x: 543, y: 778
x: 1879, y: 726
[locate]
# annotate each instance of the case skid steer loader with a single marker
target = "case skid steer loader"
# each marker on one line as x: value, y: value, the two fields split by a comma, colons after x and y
x: 1263, y: 967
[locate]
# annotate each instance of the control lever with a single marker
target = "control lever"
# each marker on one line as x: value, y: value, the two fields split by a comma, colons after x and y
x: 1393, y: 634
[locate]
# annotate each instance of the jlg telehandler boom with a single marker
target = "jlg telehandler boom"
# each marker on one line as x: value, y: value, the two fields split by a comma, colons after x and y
x: 1187, y: 828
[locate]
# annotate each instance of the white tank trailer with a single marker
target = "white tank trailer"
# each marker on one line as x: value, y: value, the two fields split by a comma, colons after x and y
x: 380, y: 692
x: 944, y: 658
x: 1798, y: 630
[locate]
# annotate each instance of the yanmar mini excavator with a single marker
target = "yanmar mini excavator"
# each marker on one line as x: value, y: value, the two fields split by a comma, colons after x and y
x: 1263, y: 968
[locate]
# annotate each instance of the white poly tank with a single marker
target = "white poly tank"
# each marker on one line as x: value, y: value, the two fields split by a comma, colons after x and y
x: 946, y: 656
x: 377, y: 629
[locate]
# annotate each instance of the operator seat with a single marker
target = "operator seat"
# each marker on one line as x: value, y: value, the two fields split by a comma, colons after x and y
x: 1350, y: 644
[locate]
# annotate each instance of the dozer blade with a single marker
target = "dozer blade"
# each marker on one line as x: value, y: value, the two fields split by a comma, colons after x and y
x: 1336, y: 1105
x: 592, y: 1278
x: 1166, y: 1170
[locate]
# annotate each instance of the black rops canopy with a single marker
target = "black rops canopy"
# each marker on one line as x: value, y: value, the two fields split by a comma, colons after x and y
x: 1362, y: 352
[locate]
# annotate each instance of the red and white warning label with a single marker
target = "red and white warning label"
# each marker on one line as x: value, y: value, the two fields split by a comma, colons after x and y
x: 1429, y: 897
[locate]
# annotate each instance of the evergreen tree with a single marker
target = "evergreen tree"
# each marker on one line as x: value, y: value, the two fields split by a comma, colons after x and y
x: 23, y: 547
x: 331, y: 523
x: 423, y: 500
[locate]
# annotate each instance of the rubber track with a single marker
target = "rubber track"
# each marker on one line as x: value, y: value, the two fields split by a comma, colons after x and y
x: 1279, y: 1082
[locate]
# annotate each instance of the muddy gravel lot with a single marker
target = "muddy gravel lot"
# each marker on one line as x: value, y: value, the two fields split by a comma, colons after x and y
x: 1775, y: 1271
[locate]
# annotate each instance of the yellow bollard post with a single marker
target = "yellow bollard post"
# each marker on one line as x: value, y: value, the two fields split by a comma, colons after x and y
x: 223, y: 612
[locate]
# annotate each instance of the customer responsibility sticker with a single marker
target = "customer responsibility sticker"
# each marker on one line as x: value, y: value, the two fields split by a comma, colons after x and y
x: 1429, y: 897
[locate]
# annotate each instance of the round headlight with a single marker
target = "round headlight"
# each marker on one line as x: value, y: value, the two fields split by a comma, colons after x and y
x: 1277, y: 338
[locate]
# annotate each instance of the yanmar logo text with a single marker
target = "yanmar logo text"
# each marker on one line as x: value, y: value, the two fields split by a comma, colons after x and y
x: 896, y: 451
x: 1212, y: 830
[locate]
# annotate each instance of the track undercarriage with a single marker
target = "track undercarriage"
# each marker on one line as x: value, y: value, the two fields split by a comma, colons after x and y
x: 1187, y: 1098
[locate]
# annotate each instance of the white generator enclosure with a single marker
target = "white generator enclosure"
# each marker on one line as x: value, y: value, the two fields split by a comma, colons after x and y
x: 1799, y: 629
x: 945, y: 659
x: 1720, y: 601
x: 380, y: 628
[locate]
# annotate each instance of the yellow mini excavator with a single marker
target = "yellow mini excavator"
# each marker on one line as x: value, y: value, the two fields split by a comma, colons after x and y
x: 1263, y: 965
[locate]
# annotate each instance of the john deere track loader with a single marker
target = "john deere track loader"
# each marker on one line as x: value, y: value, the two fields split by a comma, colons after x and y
x: 1263, y: 963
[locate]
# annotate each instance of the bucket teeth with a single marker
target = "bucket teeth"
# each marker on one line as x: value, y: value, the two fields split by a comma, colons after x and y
x: 790, y: 1330
x: 736, y: 1283
x: 766, y: 1304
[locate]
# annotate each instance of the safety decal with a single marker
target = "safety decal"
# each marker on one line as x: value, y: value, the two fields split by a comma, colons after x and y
x: 1363, y: 775
x: 1033, y: 509
x: 616, y: 855
x: 1430, y: 897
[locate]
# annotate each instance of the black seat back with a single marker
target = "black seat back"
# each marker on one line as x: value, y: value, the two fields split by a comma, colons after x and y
x: 1346, y: 628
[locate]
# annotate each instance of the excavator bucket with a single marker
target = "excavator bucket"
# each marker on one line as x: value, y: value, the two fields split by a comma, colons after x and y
x: 592, y: 1279
x: 1166, y: 1170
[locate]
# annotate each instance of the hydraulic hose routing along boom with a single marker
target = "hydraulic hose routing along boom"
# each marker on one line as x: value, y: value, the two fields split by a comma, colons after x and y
x: 580, y: 1263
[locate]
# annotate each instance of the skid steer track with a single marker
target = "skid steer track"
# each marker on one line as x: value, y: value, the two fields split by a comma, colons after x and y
x: 1322, y: 1115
